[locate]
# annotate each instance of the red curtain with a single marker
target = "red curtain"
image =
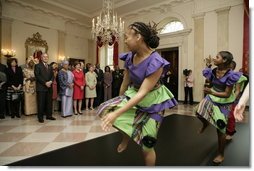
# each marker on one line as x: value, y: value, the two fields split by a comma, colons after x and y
x: 115, y: 50
x: 99, y: 43
x: 115, y: 54
x: 245, y: 66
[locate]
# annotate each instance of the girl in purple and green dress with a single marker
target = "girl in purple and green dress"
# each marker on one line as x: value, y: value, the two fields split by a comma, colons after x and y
x: 138, y: 111
x: 217, y: 104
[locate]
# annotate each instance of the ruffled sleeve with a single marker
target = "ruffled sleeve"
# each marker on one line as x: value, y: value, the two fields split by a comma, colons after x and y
x: 155, y: 63
x: 207, y: 73
x: 125, y: 57
x: 233, y: 78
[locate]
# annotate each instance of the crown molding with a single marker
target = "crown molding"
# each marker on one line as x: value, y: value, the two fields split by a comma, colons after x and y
x: 222, y: 10
x: 163, y: 7
x: 47, y: 12
x: 198, y: 15
x: 67, y: 8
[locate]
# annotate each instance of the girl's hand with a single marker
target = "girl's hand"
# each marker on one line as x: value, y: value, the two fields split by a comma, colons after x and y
x: 238, y: 112
x: 207, y: 90
x: 108, y: 120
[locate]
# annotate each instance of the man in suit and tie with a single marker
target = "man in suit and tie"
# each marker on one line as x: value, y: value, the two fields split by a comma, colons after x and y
x: 99, y: 86
x: 44, y: 78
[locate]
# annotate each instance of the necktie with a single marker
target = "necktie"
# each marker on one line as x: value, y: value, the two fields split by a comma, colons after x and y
x: 46, y: 65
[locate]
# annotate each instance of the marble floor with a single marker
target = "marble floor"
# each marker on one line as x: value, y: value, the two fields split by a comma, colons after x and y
x: 26, y: 137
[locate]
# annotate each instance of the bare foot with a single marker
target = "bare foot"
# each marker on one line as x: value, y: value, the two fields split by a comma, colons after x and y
x: 218, y: 159
x: 121, y: 147
x: 202, y: 129
x: 229, y: 137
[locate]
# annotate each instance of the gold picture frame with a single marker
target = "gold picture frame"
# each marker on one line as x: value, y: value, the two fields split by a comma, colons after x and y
x: 35, y: 44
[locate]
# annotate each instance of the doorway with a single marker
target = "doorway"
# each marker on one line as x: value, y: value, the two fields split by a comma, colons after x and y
x: 171, y: 78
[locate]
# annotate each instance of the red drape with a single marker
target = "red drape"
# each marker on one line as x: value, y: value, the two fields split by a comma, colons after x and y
x: 99, y: 43
x: 115, y: 54
x: 246, y: 37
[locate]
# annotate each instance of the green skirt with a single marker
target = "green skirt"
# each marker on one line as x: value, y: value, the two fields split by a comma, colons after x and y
x: 141, y: 123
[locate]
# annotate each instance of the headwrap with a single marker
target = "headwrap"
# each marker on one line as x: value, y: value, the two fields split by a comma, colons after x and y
x: 29, y: 59
x: 65, y: 62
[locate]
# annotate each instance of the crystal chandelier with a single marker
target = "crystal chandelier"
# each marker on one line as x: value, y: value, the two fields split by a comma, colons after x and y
x: 106, y: 28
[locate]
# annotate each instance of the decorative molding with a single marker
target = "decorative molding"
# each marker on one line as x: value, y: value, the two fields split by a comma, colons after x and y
x: 222, y: 10
x: 6, y: 19
x: 162, y: 8
x: 67, y: 8
x: 198, y: 15
x: 47, y: 12
x: 184, y: 32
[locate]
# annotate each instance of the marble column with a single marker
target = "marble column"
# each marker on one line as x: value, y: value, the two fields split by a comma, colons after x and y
x: 198, y: 56
x: 222, y: 28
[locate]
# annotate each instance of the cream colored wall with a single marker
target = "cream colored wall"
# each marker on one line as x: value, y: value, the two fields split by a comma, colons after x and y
x: 18, y: 39
x: 20, y: 23
x: 61, y: 36
x: 236, y: 34
x: 91, y: 52
x: 187, y: 13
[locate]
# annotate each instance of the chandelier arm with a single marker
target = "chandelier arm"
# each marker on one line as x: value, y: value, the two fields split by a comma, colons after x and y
x: 106, y: 27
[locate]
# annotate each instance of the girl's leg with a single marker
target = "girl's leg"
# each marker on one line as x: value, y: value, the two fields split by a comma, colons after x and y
x: 150, y: 157
x: 123, y: 145
x: 221, y: 146
x: 205, y: 124
x: 75, y: 107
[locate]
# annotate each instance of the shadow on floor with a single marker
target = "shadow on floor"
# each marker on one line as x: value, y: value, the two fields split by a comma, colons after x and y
x: 178, y: 145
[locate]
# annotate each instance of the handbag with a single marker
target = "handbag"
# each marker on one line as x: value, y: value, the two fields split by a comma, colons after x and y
x: 15, y: 97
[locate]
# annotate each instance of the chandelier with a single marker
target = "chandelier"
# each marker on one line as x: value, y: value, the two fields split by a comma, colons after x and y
x: 107, y: 29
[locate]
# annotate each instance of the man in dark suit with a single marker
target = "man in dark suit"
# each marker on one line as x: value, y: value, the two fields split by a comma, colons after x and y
x: 117, y: 75
x: 3, y: 89
x: 44, y: 78
x: 99, y: 86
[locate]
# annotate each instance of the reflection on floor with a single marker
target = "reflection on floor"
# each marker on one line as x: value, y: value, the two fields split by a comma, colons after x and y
x: 25, y: 137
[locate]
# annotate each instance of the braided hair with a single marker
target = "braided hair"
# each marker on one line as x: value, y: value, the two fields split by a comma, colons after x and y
x: 226, y: 55
x: 148, y: 32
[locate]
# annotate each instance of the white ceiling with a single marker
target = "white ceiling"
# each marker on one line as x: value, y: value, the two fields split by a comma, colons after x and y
x: 82, y: 11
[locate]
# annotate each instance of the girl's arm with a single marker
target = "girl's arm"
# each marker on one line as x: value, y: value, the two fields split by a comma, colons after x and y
x: 240, y: 107
x: 125, y: 83
x: 237, y: 89
x: 147, y: 85
x: 224, y: 94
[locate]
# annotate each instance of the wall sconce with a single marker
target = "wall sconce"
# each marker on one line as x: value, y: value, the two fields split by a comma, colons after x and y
x: 8, y: 53
x: 62, y: 58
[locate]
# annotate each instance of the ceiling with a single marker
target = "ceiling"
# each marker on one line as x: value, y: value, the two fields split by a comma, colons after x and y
x: 82, y: 11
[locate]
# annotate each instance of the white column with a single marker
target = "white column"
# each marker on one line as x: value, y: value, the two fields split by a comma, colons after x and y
x: 198, y: 56
x: 6, y: 35
x: 61, y: 43
x: 222, y: 28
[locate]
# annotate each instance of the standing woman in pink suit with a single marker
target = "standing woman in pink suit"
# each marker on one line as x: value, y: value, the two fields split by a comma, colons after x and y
x: 79, y: 84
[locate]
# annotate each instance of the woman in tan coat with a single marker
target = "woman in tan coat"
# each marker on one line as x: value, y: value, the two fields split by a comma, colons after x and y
x: 91, y: 82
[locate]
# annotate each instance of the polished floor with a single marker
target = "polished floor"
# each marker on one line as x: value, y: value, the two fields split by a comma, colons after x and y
x: 25, y: 137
